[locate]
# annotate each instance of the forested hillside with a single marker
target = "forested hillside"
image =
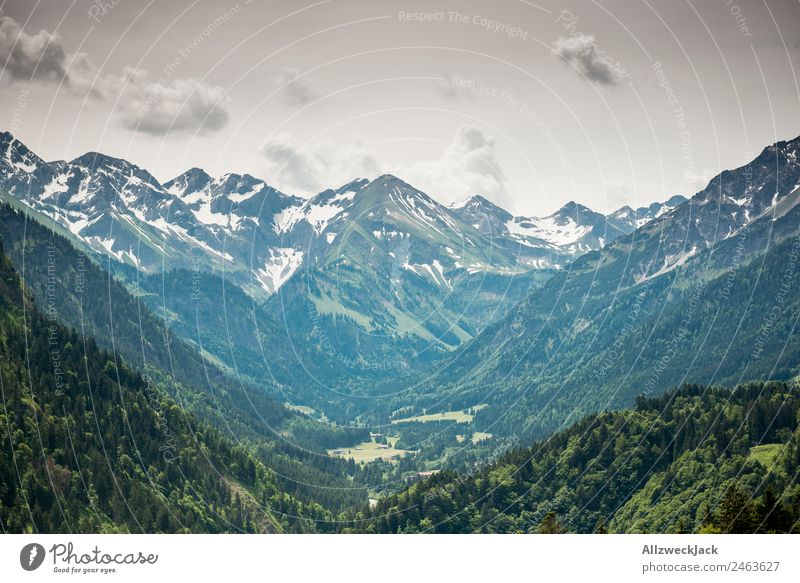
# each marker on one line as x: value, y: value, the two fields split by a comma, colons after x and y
x: 693, y: 460
x: 72, y: 289
x: 92, y: 446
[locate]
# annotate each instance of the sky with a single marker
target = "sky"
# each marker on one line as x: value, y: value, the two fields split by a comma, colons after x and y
x: 530, y: 104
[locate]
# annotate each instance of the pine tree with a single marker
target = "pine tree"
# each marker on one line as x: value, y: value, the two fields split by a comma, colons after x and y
x: 551, y: 525
x: 772, y: 516
x: 735, y: 513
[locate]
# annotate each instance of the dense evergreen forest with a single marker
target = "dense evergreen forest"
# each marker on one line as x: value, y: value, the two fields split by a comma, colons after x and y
x: 91, y: 446
x: 695, y: 459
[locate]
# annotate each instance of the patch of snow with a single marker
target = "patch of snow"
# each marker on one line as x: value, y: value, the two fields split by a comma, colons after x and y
x: 670, y: 263
x: 435, y: 272
x: 237, y: 197
x: 56, y: 186
x: 548, y: 230
x: 28, y: 168
x: 438, y: 267
x: 206, y: 216
x: 83, y: 193
x: 279, y: 267
x: 193, y: 197
x: 287, y: 218
x: 77, y: 226
x: 319, y: 215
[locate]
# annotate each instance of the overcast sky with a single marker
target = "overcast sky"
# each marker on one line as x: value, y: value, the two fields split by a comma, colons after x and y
x: 530, y: 104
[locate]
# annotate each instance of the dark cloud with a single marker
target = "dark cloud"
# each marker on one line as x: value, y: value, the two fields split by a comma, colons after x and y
x: 26, y: 57
x: 582, y: 53
x: 177, y: 106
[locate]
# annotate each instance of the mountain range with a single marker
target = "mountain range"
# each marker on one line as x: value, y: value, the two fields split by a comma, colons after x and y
x: 388, y: 273
x: 376, y: 281
x: 272, y: 333
x: 259, y: 236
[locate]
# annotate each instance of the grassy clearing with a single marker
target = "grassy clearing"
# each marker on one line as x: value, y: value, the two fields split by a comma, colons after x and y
x: 300, y: 409
x: 463, y: 416
x: 327, y: 305
x: 477, y: 437
x: 765, y: 454
x: 369, y: 451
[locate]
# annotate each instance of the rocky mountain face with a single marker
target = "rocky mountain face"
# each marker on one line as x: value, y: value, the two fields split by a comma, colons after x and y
x: 629, y: 219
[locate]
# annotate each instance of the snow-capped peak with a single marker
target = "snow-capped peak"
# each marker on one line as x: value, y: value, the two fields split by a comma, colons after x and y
x: 16, y: 155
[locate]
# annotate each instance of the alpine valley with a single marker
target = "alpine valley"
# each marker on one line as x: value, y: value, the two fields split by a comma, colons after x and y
x: 233, y: 358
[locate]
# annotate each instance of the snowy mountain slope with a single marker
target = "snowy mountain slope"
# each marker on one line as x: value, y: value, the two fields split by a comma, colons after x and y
x: 556, y: 239
x: 391, y: 267
x: 258, y: 237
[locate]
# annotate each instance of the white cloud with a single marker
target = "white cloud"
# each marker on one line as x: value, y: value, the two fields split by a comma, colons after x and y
x: 467, y: 167
x: 297, y: 89
x: 581, y: 52
x: 174, y: 105
x: 311, y: 169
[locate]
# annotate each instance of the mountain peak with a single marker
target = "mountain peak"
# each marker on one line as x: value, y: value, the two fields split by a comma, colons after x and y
x: 623, y: 211
x: 95, y: 160
x: 233, y: 181
x: 192, y: 180
x: 675, y: 200
x: 571, y: 209
x: 352, y: 186
x: 480, y: 211
x: 17, y: 154
x: 475, y: 199
x: 196, y: 172
x: 390, y: 180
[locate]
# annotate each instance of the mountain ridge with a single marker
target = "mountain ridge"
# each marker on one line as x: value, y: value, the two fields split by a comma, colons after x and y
x: 120, y: 209
x: 657, y: 293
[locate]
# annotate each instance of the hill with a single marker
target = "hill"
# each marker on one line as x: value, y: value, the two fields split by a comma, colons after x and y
x: 694, y: 459
x: 92, y: 446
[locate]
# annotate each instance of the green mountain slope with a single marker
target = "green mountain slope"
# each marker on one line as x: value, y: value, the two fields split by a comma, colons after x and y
x: 695, y: 459
x: 92, y: 446
x: 673, y: 302
x: 71, y: 289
